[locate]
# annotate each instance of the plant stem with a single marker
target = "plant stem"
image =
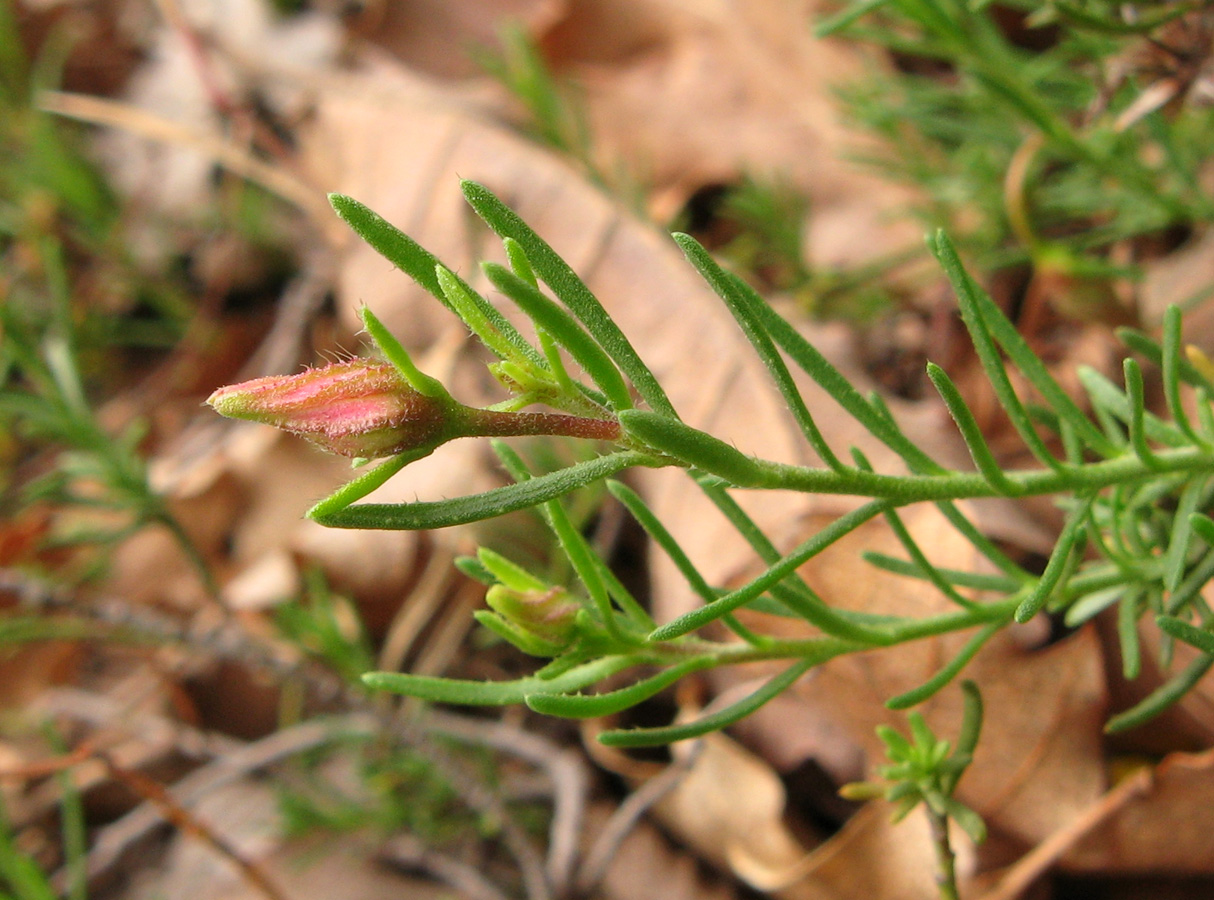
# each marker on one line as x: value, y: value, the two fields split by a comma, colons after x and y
x: 904, y: 490
x: 946, y: 860
x: 495, y: 423
x: 190, y: 549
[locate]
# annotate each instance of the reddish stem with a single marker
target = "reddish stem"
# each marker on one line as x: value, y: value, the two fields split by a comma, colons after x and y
x: 491, y: 423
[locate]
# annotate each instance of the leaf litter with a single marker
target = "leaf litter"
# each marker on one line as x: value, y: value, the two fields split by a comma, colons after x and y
x: 690, y: 97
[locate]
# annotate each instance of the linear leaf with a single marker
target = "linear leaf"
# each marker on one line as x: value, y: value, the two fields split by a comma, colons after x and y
x: 494, y: 693
x: 561, y: 326
x: 570, y: 290
x: 589, y: 706
x: 917, y: 695
x: 737, y: 303
x: 419, y: 264
x: 651, y: 737
x: 496, y: 502
x: 1017, y: 349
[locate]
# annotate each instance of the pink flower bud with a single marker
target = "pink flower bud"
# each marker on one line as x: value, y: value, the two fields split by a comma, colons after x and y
x: 356, y: 408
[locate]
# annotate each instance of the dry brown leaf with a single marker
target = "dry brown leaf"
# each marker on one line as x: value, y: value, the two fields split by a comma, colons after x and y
x: 873, y: 857
x: 1040, y: 758
x: 692, y: 94
x: 646, y: 867
x: 442, y: 37
x: 246, y: 814
x: 729, y: 807
x: 1169, y: 827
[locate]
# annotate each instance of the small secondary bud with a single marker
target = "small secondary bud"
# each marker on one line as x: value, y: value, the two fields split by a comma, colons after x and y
x: 550, y: 615
x: 356, y: 408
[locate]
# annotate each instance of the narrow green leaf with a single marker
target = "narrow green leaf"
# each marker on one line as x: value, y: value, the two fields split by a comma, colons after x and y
x: 363, y: 485
x: 18, y: 868
x: 1199, y: 576
x: 980, y: 451
x: 658, y: 532
x: 74, y: 830
x: 980, y: 581
x: 519, y: 264
x: 817, y: 367
x: 923, y: 736
x: 918, y: 557
x: 930, y: 687
x: 968, y: 820
x: 897, y: 747
x: 652, y: 737
x: 492, y: 503
x: 1057, y: 565
x: 469, y: 305
x: 419, y: 264
x: 1127, y: 635
x: 399, y: 357
x: 691, y: 446
x: 1153, y: 353
x: 993, y: 321
x: 1135, y: 394
x: 1203, y: 525
x: 565, y: 330
x: 570, y: 290
x: 775, y: 574
x: 1177, y: 557
x: 666, y: 541
x: 583, y: 558
x: 972, y: 313
x: 507, y: 572
x: 1161, y: 698
x: 738, y: 303
x: 846, y: 16
x: 475, y: 569
x: 1171, y: 365
x: 971, y: 720
x: 1092, y: 604
x: 495, y: 693
x: 802, y: 596
x: 1181, y: 630
x: 590, y: 706
x: 515, y: 636
x: 1205, y: 413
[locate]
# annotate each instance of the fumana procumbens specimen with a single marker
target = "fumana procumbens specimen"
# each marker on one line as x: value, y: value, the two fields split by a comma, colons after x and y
x: 1132, y: 484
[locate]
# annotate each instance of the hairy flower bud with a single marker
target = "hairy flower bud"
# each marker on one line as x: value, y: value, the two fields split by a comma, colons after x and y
x: 356, y: 408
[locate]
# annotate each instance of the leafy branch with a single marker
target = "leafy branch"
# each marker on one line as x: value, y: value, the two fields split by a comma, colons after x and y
x: 1131, y: 483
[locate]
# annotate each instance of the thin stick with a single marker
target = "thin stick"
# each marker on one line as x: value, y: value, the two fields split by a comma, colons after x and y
x: 97, y: 111
x: 1034, y: 864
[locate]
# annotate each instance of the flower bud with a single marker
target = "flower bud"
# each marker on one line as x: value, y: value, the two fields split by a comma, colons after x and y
x: 550, y: 615
x: 356, y: 408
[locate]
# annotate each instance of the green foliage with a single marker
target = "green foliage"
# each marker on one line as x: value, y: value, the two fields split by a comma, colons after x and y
x: 396, y: 788
x: 763, y: 220
x: 764, y: 223
x: 21, y: 876
x: 923, y: 771
x: 327, y: 627
x: 1048, y: 129
x: 63, y: 273
x: 1130, y: 482
x: 553, y: 109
